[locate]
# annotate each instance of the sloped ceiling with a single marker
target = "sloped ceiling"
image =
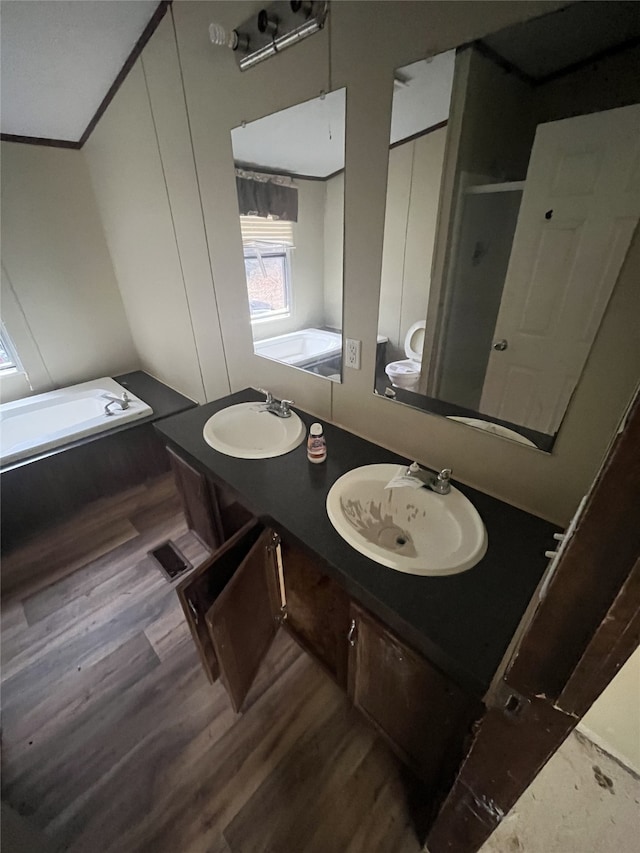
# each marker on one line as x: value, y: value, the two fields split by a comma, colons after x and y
x: 58, y: 59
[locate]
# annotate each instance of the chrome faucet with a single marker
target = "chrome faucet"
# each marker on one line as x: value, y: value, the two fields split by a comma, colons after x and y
x: 281, y: 408
x: 439, y: 483
x: 123, y: 402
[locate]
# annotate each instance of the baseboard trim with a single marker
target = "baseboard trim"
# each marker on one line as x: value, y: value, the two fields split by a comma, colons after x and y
x: 605, y: 747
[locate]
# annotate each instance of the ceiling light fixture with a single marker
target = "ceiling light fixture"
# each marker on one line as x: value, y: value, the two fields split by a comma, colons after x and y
x: 274, y: 28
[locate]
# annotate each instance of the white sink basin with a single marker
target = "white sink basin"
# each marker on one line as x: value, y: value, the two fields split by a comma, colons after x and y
x: 410, y: 530
x: 494, y: 429
x: 248, y: 431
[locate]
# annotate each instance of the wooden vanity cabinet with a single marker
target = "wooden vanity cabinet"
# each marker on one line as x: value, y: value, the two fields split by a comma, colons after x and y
x: 199, y: 503
x: 212, y: 510
x: 205, y: 586
x: 257, y: 580
x: 424, y: 716
x: 232, y: 512
x: 237, y: 600
x: 244, y: 618
x: 316, y: 610
x: 233, y: 607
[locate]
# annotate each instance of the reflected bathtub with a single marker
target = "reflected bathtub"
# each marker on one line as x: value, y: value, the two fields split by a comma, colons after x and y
x: 46, y: 421
x: 301, y: 347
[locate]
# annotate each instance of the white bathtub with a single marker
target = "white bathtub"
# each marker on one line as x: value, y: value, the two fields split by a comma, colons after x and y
x: 35, y: 424
x: 300, y: 347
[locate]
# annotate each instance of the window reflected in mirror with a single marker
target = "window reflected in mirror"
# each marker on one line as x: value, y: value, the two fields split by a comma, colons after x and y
x: 510, y: 208
x: 290, y: 186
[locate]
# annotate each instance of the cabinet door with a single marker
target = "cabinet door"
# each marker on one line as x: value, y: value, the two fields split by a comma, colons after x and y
x: 233, y: 513
x: 244, y: 618
x: 199, y: 508
x: 204, y: 585
x: 317, y: 610
x: 422, y: 714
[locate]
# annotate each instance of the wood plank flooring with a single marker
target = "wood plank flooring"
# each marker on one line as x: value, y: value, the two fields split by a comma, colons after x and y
x: 113, y: 740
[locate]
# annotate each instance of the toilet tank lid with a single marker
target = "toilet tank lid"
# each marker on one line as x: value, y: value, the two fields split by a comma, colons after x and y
x: 414, y: 341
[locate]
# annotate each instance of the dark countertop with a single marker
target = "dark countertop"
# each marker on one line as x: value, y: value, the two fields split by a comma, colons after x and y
x: 163, y: 400
x: 434, y: 406
x: 462, y: 623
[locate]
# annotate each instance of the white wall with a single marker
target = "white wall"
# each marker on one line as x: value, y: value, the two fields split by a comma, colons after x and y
x: 613, y: 721
x: 333, y: 251
x: 174, y: 310
x: 393, y: 256
x: 60, y: 300
x: 413, y: 187
x: 219, y: 97
x: 499, y: 122
x: 142, y: 169
x: 294, y: 76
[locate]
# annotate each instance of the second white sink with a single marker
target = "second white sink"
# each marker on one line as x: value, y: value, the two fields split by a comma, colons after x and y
x: 248, y: 431
x: 410, y: 530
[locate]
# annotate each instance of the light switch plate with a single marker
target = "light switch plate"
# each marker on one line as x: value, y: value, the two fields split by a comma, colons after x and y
x: 352, y: 353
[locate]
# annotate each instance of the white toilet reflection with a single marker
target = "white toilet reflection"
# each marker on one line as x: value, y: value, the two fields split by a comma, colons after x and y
x: 406, y: 372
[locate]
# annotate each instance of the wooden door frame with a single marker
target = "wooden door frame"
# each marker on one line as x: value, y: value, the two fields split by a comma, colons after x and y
x: 574, y: 640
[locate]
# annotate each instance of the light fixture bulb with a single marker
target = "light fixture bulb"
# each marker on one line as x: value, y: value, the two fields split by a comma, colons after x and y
x: 220, y: 36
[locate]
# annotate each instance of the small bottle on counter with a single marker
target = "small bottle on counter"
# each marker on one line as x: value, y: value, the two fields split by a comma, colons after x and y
x: 316, y: 444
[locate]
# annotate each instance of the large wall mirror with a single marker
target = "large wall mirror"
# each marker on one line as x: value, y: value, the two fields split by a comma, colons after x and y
x: 290, y: 183
x: 513, y: 194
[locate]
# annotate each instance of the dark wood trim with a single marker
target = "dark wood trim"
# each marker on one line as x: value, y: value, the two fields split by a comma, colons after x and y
x: 39, y: 140
x: 419, y: 134
x: 510, y: 68
x: 267, y: 170
x: 590, y: 60
x: 613, y: 643
x: 584, y: 629
x: 592, y: 571
x: 505, y: 757
x: 503, y: 63
x: 148, y: 31
x: 509, y: 750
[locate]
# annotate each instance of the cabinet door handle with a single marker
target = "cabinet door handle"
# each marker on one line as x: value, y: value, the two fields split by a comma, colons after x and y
x: 351, y: 636
x: 193, y: 610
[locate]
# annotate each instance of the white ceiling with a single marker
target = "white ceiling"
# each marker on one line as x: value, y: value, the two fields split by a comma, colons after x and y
x: 308, y: 139
x: 425, y: 100
x: 58, y: 59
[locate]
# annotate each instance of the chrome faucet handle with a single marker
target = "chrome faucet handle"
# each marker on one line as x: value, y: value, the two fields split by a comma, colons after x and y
x: 268, y: 394
x: 441, y: 483
x: 285, y: 407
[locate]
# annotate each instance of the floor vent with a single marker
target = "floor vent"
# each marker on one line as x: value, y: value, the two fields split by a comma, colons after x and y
x: 169, y: 559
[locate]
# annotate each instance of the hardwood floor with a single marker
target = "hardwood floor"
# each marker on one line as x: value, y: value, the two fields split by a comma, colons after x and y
x: 113, y: 740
